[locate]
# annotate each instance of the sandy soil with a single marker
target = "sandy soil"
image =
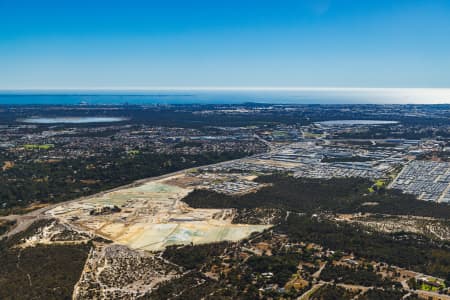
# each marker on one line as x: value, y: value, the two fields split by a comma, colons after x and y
x: 152, y: 217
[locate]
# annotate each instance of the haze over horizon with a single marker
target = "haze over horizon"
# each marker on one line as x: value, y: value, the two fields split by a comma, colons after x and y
x: 53, y: 44
x: 229, y: 95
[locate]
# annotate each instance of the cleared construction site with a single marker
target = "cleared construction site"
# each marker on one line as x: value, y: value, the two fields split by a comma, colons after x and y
x: 150, y: 216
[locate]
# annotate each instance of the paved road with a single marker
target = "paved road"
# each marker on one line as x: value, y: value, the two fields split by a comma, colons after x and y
x: 267, y: 143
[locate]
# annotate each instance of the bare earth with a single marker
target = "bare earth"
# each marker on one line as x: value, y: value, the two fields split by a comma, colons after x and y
x: 151, y: 217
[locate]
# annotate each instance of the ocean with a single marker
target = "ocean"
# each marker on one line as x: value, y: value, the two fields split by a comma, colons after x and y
x: 228, y: 96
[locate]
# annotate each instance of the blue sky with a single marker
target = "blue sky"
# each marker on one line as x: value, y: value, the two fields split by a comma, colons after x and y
x: 217, y: 43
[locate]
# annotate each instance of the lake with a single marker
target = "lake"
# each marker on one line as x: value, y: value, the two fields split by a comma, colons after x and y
x: 355, y: 122
x: 72, y: 120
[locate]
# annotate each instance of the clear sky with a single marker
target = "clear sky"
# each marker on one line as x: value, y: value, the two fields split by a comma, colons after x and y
x: 338, y: 43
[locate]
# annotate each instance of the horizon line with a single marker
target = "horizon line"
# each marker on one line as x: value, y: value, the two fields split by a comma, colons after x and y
x: 221, y: 88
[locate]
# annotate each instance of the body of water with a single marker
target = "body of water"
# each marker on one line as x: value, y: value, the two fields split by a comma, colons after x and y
x: 355, y: 122
x: 72, y: 120
x: 231, y: 96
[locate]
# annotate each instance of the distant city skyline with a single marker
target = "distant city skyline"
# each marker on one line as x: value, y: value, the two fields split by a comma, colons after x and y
x: 303, y: 44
